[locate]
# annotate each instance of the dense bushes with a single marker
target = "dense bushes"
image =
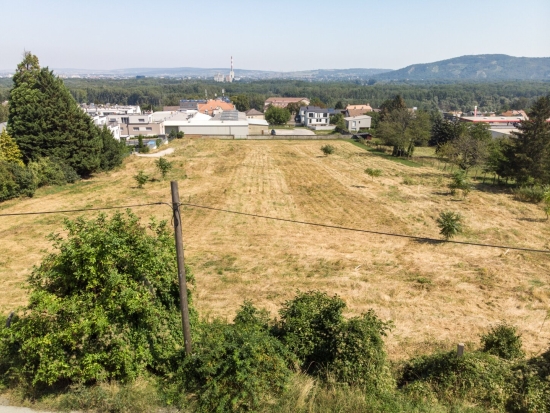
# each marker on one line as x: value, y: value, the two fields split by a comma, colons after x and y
x: 103, y: 306
x: 237, y: 367
x: 350, y: 351
x: 15, y: 180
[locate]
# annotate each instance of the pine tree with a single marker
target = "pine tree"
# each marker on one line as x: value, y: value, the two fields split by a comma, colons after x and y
x: 113, y: 151
x: 9, y: 151
x: 45, y: 120
x: 527, y: 158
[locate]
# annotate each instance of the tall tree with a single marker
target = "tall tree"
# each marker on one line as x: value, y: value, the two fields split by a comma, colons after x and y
x: 444, y: 130
x: 241, y: 102
x: 391, y: 105
x: 45, y: 120
x: 527, y: 158
x: 404, y: 130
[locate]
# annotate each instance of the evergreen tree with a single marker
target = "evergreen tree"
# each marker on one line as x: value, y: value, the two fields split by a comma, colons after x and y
x: 45, y: 120
x: 527, y: 158
x: 391, y: 105
x: 113, y: 151
x: 9, y: 151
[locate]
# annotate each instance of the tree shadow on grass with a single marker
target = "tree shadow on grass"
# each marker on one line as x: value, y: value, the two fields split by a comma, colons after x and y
x: 430, y: 241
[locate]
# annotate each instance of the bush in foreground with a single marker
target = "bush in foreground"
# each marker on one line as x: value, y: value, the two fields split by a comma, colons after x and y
x: 103, y: 306
x: 237, y: 367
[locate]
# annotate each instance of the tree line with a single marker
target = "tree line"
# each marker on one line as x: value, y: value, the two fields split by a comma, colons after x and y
x: 155, y: 93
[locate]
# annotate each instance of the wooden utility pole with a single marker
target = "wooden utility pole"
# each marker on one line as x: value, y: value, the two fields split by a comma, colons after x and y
x: 184, y: 305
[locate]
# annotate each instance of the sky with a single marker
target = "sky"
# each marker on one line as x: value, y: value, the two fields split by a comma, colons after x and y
x: 280, y: 35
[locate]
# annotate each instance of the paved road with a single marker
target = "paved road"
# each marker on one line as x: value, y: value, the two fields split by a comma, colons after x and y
x: 154, y: 155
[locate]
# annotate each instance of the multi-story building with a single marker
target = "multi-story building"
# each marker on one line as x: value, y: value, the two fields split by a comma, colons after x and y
x: 284, y: 102
x: 135, y: 125
x: 313, y: 116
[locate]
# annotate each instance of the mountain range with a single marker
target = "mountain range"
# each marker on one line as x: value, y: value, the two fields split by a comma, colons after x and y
x: 487, y: 67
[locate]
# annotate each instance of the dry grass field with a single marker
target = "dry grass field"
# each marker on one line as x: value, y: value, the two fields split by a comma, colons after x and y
x: 436, y: 294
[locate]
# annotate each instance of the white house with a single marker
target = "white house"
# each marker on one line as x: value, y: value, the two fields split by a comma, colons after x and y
x: 355, y: 123
x: 313, y: 116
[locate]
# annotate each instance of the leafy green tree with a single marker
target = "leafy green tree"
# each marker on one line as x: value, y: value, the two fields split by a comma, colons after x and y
x: 339, y: 105
x: 15, y: 180
x: 241, y: 102
x: 338, y: 120
x: 503, y: 341
x: 390, y: 105
x: 277, y: 116
x: 404, y: 130
x: 450, y: 224
x: 164, y: 166
x: 317, y: 102
x: 444, y: 130
x: 141, y: 178
x: 527, y: 157
x: 45, y: 120
x: 472, y: 148
x: 294, y: 108
x: 9, y: 151
x: 103, y: 306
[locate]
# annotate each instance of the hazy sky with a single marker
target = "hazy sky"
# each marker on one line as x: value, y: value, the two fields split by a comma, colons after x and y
x: 276, y: 35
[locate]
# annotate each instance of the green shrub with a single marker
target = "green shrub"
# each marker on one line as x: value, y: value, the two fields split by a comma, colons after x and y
x: 351, y: 351
x: 533, y: 194
x: 15, y: 180
x: 103, y: 306
x: 236, y: 367
x: 450, y: 224
x: 476, y: 377
x: 164, y: 166
x: 141, y: 178
x: 327, y: 149
x: 408, y: 181
x: 502, y: 341
x: 373, y: 172
x: 52, y: 171
x: 532, y: 386
x: 460, y: 182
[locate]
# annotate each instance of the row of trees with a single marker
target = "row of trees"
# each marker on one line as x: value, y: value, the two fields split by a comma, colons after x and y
x: 158, y: 92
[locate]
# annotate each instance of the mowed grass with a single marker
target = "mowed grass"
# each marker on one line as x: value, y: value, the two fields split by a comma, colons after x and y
x: 436, y: 294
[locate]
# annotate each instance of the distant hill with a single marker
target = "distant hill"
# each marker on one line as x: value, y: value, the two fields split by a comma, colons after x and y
x: 487, y: 67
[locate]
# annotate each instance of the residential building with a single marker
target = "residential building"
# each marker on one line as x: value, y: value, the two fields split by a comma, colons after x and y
x: 284, y: 102
x: 105, y: 110
x: 213, y: 107
x: 354, y: 123
x: 254, y: 114
x: 312, y: 116
x: 357, y: 110
x: 134, y: 125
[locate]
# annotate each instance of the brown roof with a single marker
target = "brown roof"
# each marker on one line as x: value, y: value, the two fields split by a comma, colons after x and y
x: 252, y: 112
x: 366, y: 108
x: 212, y: 105
x: 357, y: 112
x: 283, y: 102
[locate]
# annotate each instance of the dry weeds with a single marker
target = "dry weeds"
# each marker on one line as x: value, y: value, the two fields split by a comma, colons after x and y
x: 436, y: 294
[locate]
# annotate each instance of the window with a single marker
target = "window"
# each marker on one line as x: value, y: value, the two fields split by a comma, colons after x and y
x: 311, y: 115
x: 136, y: 128
x: 148, y: 128
x: 142, y: 120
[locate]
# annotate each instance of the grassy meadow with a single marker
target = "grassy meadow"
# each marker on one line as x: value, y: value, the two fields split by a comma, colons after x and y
x: 436, y: 294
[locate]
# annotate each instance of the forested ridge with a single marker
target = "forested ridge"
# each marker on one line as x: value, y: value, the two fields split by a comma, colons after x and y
x: 429, y: 96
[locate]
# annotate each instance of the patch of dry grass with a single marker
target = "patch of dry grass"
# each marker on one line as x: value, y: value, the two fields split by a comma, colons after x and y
x: 437, y: 294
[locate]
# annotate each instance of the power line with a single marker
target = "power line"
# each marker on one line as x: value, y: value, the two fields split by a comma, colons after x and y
x: 389, y: 234
x: 366, y: 231
x: 82, y: 209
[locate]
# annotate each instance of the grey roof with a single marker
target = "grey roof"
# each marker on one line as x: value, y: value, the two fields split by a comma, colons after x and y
x: 253, y: 112
x: 230, y: 115
x: 314, y: 109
